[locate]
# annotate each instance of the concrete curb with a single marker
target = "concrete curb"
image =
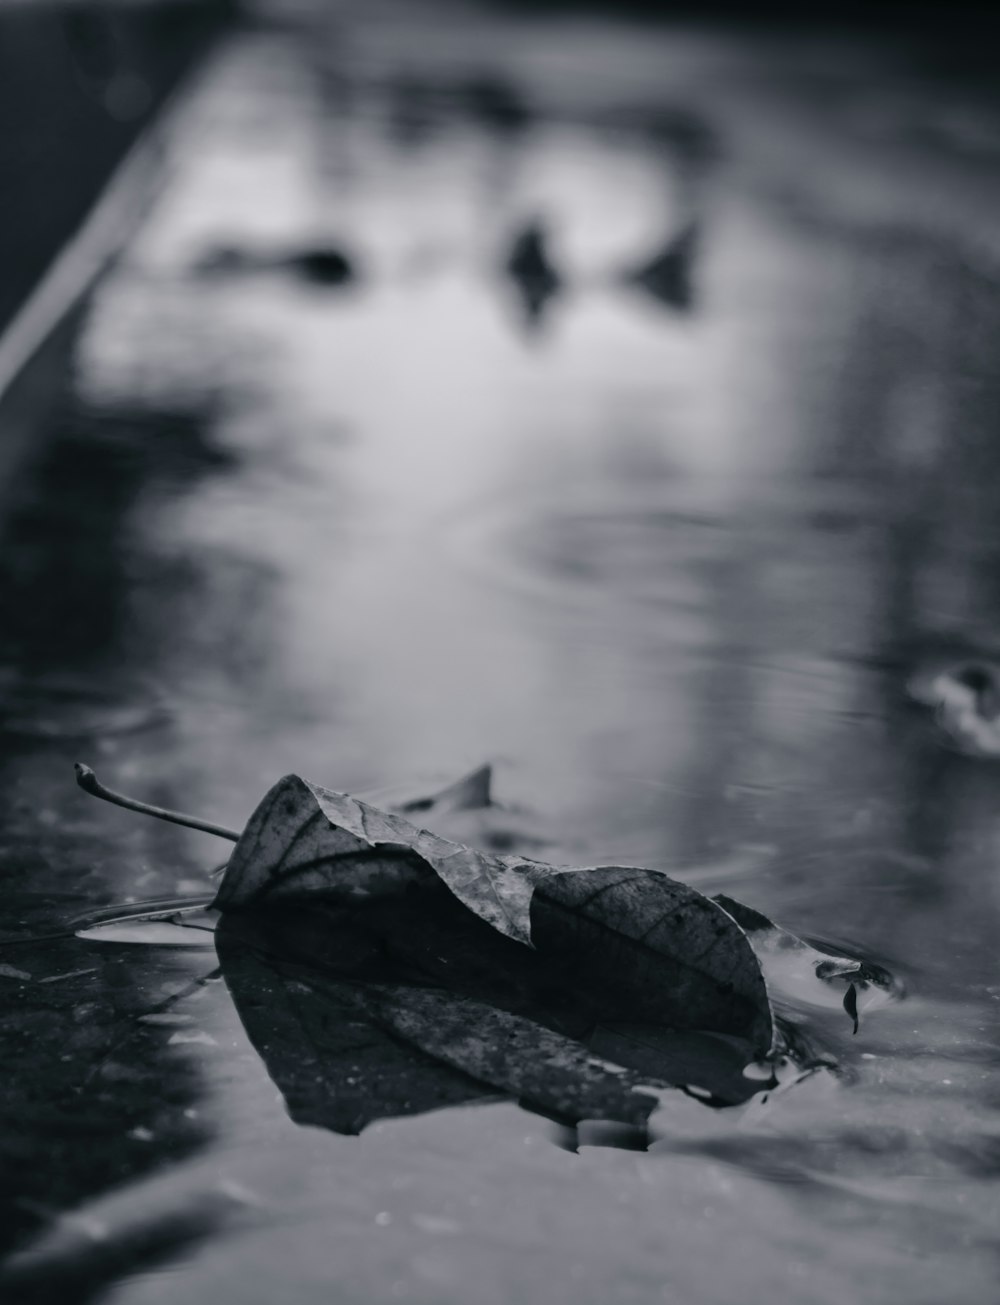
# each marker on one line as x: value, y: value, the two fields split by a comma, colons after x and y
x: 35, y: 347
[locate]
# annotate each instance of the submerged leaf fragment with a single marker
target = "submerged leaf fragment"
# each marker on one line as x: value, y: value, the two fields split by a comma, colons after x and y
x: 164, y: 922
x: 801, y: 978
x: 471, y: 792
x: 149, y: 933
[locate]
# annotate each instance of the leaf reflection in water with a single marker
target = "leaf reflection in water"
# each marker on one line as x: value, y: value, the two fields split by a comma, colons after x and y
x: 398, y: 1008
x: 381, y: 970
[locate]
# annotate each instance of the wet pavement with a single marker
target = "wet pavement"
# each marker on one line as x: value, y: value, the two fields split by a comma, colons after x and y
x: 519, y: 395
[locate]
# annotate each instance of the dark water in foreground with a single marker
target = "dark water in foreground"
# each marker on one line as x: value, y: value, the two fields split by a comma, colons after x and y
x: 664, y: 550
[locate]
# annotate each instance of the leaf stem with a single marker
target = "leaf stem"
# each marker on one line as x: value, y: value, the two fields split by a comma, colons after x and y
x: 89, y: 782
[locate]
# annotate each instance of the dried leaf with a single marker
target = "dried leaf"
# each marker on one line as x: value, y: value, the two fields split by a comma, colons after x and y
x: 306, y: 839
x: 683, y: 960
x: 471, y: 792
x: 680, y: 957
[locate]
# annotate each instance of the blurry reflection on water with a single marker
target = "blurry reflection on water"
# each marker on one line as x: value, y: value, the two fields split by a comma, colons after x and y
x: 670, y: 567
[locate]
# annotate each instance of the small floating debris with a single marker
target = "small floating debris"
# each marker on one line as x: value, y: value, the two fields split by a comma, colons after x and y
x: 965, y: 698
x: 759, y: 1072
x: 165, y: 921
x: 529, y: 265
x: 328, y: 266
x: 323, y: 266
x: 696, y: 1091
x: 851, y: 1003
x: 470, y: 793
x: 171, y: 931
x: 494, y: 102
x: 838, y: 968
x: 201, y: 1037
x: 668, y: 274
x: 70, y: 974
x: 11, y: 972
x: 485, y: 931
x: 226, y: 260
x: 465, y: 810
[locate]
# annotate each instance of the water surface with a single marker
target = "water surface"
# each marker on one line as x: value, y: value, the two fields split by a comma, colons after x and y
x: 665, y: 558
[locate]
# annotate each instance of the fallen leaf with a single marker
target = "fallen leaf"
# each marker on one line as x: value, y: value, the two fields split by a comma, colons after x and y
x: 305, y: 839
x: 301, y: 963
x: 682, y: 960
x: 381, y: 969
x: 680, y: 957
x: 471, y: 792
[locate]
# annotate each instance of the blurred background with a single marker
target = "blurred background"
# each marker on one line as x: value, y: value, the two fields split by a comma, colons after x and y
x: 608, y: 392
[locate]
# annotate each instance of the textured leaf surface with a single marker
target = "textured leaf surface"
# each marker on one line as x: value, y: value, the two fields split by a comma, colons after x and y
x: 683, y: 959
x: 679, y: 957
x: 307, y: 839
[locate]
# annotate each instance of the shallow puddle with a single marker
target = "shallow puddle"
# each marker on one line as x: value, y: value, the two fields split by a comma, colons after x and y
x: 667, y: 560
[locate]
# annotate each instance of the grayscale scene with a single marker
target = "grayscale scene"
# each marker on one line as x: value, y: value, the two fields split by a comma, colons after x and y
x: 499, y: 653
